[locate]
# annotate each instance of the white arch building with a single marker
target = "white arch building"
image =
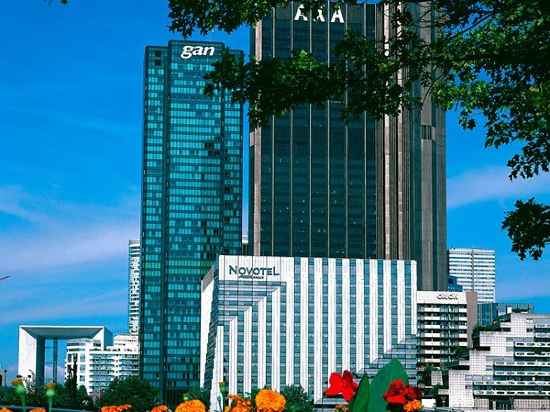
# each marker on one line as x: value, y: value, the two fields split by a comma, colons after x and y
x: 32, y: 345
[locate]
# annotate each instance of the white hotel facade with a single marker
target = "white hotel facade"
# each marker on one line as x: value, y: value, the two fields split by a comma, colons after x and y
x: 277, y: 321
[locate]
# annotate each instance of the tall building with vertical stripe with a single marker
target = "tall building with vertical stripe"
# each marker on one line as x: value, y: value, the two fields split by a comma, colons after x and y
x: 277, y: 321
x: 191, y: 205
x: 134, y: 280
x: 475, y: 270
x: 368, y: 188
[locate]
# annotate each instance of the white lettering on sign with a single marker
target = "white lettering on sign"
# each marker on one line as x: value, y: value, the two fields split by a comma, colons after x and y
x: 253, y: 272
x: 189, y: 51
x: 337, y: 16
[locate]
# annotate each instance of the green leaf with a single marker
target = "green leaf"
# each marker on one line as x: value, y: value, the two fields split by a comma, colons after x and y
x: 380, y: 383
x: 361, y: 401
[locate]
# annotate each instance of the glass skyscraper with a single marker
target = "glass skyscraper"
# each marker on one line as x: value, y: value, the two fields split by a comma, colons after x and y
x: 368, y: 188
x: 191, y: 205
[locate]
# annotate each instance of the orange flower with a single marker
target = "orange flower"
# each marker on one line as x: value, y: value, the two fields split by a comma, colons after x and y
x: 238, y: 404
x: 5, y: 410
x: 38, y: 410
x: 51, y: 385
x: 120, y: 408
x: 413, y: 406
x: 17, y: 381
x: 270, y: 401
x: 160, y: 408
x: 191, y: 406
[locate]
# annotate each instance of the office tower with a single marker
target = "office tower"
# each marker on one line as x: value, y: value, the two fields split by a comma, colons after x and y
x: 134, y: 256
x: 99, y: 362
x: 278, y: 321
x: 445, y: 324
x: 474, y: 270
x: 363, y: 189
x: 508, y: 368
x: 488, y: 313
x: 453, y: 285
x: 191, y: 205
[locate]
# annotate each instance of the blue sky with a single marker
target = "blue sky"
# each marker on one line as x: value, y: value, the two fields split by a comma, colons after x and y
x: 70, y: 127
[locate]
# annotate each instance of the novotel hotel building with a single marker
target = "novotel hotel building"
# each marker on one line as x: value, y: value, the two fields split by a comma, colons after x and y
x: 277, y: 321
x: 191, y: 205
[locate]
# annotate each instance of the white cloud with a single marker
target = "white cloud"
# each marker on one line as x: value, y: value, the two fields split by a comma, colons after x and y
x: 38, y: 310
x: 63, y: 233
x: 491, y: 183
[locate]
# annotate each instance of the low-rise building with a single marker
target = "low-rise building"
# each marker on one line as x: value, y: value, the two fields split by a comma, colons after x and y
x: 445, y: 324
x: 98, y: 362
x: 488, y: 313
x: 508, y: 368
x: 277, y: 321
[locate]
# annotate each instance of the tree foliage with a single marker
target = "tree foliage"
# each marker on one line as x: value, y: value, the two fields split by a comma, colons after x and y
x: 64, y: 398
x: 490, y: 59
x: 529, y: 228
x: 297, y: 399
x: 134, y: 391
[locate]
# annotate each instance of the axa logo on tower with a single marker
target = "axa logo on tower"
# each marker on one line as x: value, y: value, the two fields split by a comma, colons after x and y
x: 337, y: 15
x: 189, y: 51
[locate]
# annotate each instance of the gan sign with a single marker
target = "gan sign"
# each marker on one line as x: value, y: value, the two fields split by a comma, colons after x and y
x: 189, y: 51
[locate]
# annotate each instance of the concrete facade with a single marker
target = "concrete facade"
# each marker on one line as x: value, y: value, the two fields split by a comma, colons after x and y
x: 508, y: 368
x: 98, y: 364
x: 445, y: 323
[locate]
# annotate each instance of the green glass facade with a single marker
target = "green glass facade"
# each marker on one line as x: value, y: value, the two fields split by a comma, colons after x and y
x: 191, y: 205
x: 366, y: 188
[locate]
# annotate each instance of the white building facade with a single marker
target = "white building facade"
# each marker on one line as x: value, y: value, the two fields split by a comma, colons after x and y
x: 134, y: 278
x: 445, y: 324
x: 475, y: 271
x: 98, y: 363
x: 508, y: 369
x: 276, y: 321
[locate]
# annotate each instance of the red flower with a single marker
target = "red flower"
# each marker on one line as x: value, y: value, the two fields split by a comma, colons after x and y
x: 342, y: 385
x: 395, y: 395
x: 412, y: 393
x: 400, y: 394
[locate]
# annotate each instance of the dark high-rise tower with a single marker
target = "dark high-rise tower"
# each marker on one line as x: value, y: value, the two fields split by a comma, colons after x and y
x: 191, y: 205
x: 363, y: 189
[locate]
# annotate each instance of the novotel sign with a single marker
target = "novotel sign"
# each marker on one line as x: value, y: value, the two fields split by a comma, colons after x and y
x: 189, y: 51
x: 253, y: 272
